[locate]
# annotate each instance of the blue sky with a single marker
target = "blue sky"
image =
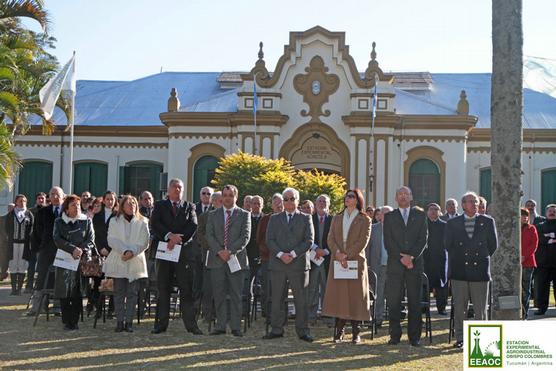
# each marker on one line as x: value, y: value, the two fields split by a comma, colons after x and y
x: 125, y: 40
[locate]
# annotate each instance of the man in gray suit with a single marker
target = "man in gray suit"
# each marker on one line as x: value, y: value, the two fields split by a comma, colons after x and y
x: 289, y: 237
x: 378, y: 259
x: 227, y: 235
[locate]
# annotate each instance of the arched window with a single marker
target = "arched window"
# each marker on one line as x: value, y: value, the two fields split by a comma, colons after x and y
x: 140, y: 176
x: 90, y: 176
x: 424, y: 181
x: 34, y: 177
x: 203, y: 173
x: 548, y: 188
x: 485, y: 183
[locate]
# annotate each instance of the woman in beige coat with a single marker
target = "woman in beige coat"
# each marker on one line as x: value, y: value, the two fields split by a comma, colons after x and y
x: 128, y: 236
x: 348, y: 299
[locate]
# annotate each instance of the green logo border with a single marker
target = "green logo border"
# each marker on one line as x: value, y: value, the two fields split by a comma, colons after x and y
x: 469, y: 347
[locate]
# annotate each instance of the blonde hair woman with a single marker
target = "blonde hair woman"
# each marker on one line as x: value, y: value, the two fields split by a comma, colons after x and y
x: 128, y: 236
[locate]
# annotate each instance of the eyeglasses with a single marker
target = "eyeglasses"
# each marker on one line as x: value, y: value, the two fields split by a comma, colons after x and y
x: 350, y: 195
x: 206, y: 193
x: 289, y: 199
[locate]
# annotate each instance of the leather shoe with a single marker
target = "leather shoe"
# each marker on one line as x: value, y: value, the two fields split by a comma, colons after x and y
x: 356, y: 339
x: 195, y: 331
x: 272, y: 335
x: 393, y: 342
x: 128, y: 327
x: 307, y: 338
x: 237, y: 333
x: 458, y: 344
x: 415, y: 343
x: 158, y: 330
x: 442, y: 312
x: 119, y: 326
x: 31, y: 314
x: 540, y: 312
x: 218, y: 332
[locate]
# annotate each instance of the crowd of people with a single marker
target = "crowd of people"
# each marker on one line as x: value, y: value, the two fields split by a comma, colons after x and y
x: 214, y: 251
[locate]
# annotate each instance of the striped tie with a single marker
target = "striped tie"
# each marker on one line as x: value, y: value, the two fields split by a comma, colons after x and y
x: 227, y: 228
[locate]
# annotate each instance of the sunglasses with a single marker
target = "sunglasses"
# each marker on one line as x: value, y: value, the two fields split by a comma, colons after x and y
x: 206, y: 193
x: 350, y: 195
x: 289, y: 199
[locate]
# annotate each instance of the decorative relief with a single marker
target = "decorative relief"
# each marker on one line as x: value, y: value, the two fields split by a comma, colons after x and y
x: 316, y: 86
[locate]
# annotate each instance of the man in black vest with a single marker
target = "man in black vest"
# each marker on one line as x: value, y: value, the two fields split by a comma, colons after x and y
x: 174, y: 221
x: 405, y: 239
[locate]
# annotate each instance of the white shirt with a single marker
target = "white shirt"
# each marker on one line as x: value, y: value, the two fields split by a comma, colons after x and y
x: 107, y: 214
x: 225, y: 210
x: 292, y: 253
x: 346, y: 223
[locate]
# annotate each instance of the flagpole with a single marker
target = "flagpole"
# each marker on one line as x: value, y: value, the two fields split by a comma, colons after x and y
x: 372, y: 142
x: 72, y: 122
x: 255, y: 152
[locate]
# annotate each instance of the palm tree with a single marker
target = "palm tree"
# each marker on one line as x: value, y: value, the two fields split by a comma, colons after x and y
x: 11, y: 10
x: 9, y: 161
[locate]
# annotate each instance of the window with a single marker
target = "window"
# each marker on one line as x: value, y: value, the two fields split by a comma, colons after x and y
x: 140, y: 176
x: 485, y: 184
x: 34, y: 177
x: 90, y: 176
x: 424, y: 181
x: 203, y: 173
x: 548, y: 188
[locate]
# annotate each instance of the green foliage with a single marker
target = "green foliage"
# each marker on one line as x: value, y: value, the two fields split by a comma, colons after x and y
x: 257, y: 175
x: 313, y: 183
x: 8, y: 158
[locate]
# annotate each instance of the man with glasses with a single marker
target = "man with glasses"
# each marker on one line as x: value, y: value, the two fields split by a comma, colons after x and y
x: 289, y: 237
x: 204, y: 205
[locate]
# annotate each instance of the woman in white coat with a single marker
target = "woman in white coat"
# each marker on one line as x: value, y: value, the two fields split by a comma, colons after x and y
x: 128, y: 236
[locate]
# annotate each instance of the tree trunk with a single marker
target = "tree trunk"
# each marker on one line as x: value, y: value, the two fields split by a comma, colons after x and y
x: 506, y: 137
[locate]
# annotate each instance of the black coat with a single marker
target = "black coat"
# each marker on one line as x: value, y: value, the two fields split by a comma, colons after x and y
x: 68, y: 236
x: 546, y: 253
x: 163, y: 222
x: 199, y: 208
x: 28, y: 227
x: 324, y: 243
x: 402, y: 239
x: 436, y: 255
x: 101, y: 229
x: 469, y: 258
x: 43, y: 228
x: 252, y: 247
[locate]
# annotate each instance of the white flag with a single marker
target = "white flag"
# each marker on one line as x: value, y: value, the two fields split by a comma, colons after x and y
x: 63, y: 81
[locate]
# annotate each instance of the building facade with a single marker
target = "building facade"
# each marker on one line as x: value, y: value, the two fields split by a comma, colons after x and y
x: 431, y: 131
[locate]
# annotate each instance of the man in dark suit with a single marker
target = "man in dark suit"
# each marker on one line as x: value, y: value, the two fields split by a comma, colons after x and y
x: 546, y: 259
x: 436, y: 258
x: 289, y: 237
x: 377, y: 259
x: 204, y: 205
x: 147, y: 204
x: 174, y: 221
x: 451, y: 209
x: 228, y: 232
x: 46, y: 249
x: 257, y: 204
x: 405, y: 239
x: 319, y: 273
x: 40, y: 202
x: 470, y: 240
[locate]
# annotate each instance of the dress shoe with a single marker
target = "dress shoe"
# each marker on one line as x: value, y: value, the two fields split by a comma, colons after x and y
x: 415, y: 343
x: 75, y: 327
x: 540, y: 312
x: 272, y: 335
x: 195, y: 331
x: 237, y: 333
x: 31, y: 314
x: 307, y: 338
x: 68, y: 327
x: 458, y: 344
x: 128, y: 327
x: 393, y: 342
x: 119, y: 326
x: 218, y: 332
x: 158, y: 330
x: 442, y: 312
x: 356, y: 339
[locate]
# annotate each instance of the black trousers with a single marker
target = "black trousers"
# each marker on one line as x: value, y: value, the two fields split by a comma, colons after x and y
x: 71, y: 309
x: 441, y: 296
x: 181, y: 274
x: 45, y: 258
x: 543, y: 278
x: 395, y: 282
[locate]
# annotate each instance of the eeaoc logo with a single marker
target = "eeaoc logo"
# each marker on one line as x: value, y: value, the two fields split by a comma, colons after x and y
x: 484, y: 346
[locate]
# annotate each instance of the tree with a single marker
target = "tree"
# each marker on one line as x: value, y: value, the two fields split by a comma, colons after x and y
x: 8, y: 158
x: 12, y: 10
x: 313, y: 183
x: 506, y: 147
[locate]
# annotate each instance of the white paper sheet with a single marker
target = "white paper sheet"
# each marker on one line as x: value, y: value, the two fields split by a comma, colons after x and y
x: 65, y: 260
x: 163, y: 253
x: 314, y: 259
x: 233, y: 263
x: 349, y: 273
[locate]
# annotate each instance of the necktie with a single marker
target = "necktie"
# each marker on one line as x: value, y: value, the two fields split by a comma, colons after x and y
x: 175, y: 208
x: 56, y: 212
x: 289, y: 218
x: 204, y: 209
x: 405, y: 216
x: 227, y: 228
x: 322, y: 219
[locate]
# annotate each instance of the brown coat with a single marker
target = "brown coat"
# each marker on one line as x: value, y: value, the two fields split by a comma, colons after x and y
x: 349, y: 299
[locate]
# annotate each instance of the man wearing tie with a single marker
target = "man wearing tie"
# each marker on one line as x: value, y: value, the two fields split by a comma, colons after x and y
x: 405, y: 239
x: 228, y: 232
x: 289, y: 237
x: 252, y: 248
x: 319, y: 273
x: 451, y: 209
x: 174, y: 221
x: 204, y: 205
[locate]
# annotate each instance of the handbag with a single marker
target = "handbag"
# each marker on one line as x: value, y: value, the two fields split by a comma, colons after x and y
x: 91, y: 266
x: 106, y: 284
